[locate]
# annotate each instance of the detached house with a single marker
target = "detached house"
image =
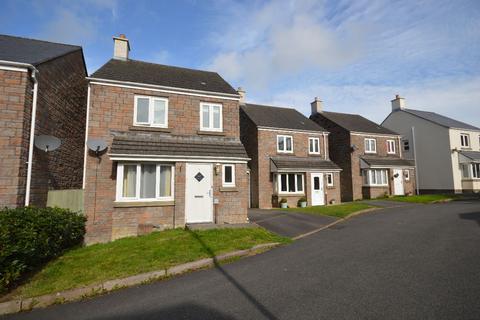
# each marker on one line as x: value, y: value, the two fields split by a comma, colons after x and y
x: 370, y: 156
x: 289, y: 157
x: 447, y: 151
x: 43, y: 92
x: 174, y: 154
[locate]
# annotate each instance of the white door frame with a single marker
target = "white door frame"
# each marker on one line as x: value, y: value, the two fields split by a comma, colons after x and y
x: 190, y: 206
x: 317, y: 200
x: 398, y: 190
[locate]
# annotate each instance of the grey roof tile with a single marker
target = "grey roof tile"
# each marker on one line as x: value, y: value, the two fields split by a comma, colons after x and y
x: 32, y: 51
x: 277, y: 117
x: 387, y: 161
x: 162, y: 75
x: 355, y: 123
x: 301, y: 163
x: 472, y: 155
x: 441, y: 120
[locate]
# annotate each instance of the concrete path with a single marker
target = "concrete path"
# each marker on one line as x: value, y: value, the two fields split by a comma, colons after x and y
x: 409, y: 262
x: 388, y: 203
x: 287, y: 223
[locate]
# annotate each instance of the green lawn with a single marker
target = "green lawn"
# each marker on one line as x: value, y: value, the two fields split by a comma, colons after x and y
x: 339, y: 211
x: 426, y: 198
x: 130, y: 256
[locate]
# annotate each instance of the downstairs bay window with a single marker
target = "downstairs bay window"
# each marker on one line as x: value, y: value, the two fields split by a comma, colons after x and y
x: 471, y: 171
x: 144, y: 182
x: 375, y: 177
x: 290, y: 183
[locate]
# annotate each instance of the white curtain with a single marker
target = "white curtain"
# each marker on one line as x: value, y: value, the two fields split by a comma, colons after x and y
x: 148, y: 181
x: 165, y: 181
x: 129, y: 181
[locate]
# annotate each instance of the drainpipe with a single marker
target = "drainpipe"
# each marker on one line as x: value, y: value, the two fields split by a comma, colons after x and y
x: 86, y: 139
x: 325, y: 146
x: 33, y: 75
x: 415, y: 159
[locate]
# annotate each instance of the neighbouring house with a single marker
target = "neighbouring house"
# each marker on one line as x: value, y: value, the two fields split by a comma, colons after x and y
x: 370, y: 156
x: 43, y: 92
x: 447, y: 151
x: 289, y: 157
x: 174, y: 154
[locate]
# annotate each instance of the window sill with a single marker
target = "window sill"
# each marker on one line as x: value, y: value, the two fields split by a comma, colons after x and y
x: 128, y: 204
x: 228, y: 189
x: 146, y: 128
x: 210, y: 133
x: 376, y: 186
x: 330, y: 187
x: 291, y: 194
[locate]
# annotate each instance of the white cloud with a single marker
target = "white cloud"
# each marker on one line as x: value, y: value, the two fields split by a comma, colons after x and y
x: 67, y: 27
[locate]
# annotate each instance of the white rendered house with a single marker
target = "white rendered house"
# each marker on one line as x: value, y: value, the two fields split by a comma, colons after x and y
x: 447, y: 151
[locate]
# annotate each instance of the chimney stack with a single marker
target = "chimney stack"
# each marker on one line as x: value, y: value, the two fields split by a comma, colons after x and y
x: 316, y: 106
x: 398, y: 103
x: 121, y: 47
x: 242, y: 94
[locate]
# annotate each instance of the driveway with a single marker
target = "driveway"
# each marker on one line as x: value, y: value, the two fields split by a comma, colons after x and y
x: 288, y: 223
x: 412, y: 262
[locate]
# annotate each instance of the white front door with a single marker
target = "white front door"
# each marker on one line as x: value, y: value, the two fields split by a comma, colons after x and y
x: 198, y: 193
x: 398, y: 182
x: 318, y: 195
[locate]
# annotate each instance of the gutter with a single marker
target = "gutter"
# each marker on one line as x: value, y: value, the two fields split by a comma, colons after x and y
x: 32, y: 121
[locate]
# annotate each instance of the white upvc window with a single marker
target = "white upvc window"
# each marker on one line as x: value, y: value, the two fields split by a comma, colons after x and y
x: 150, y: 112
x: 375, y: 177
x: 329, y: 177
x: 314, y: 145
x: 228, y: 175
x: 465, y: 140
x: 284, y: 144
x: 211, y: 118
x: 406, y: 145
x: 476, y: 170
x: 148, y: 181
x: 370, y: 145
x: 466, y: 171
x: 290, y: 183
x: 406, y: 173
x: 391, y: 147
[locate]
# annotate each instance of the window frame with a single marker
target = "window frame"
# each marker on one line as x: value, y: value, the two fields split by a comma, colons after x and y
x: 332, y: 183
x: 150, y: 123
x: 295, y: 175
x: 369, y: 173
x: 391, y: 143
x: 119, y: 182
x: 374, y: 145
x: 210, y: 116
x: 224, y: 183
x: 310, y: 140
x: 467, y: 140
x: 406, y: 174
x: 475, y: 171
x: 284, y: 143
x: 406, y: 145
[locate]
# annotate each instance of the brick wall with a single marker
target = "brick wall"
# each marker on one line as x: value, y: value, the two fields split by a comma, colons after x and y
x: 249, y: 138
x: 61, y: 112
x: 111, y: 108
x: 15, y: 106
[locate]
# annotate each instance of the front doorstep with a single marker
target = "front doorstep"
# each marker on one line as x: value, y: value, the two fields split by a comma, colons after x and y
x: 28, y: 304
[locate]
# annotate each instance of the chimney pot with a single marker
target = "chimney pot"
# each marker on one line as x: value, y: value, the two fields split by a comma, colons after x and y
x: 317, y: 106
x: 242, y: 94
x: 121, y: 47
x: 398, y: 103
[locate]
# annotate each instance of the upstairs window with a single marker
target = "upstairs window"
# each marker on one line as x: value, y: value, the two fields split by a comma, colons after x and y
x: 151, y: 112
x: 465, y: 140
x: 228, y: 175
x: 391, y: 146
x: 211, y: 117
x: 284, y: 144
x: 370, y: 146
x: 406, y: 145
x: 314, y: 145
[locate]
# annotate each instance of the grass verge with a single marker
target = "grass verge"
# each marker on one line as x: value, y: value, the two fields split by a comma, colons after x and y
x: 424, y: 198
x: 129, y: 256
x: 338, y: 211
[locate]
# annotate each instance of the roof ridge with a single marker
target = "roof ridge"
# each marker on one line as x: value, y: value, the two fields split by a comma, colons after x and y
x: 270, y: 106
x: 39, y: 40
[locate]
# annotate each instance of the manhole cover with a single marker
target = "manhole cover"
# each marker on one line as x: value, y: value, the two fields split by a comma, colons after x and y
x: 199, y: 176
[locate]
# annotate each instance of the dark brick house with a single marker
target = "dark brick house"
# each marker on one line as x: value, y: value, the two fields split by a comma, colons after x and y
x: 370, y: 156
x: 43, y: 81
x: 289, y: 157
x: 174, y: 154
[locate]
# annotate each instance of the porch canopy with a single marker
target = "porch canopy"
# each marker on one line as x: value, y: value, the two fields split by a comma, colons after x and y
x: 151, y: 146
x: 301, y: 164
x: 469, y: 157
x: 372, y: 162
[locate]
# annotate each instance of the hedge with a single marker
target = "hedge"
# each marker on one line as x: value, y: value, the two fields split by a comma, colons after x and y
x: 29, y: 237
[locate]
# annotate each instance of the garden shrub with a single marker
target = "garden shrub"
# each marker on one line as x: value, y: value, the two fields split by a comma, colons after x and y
x: 30, y: 236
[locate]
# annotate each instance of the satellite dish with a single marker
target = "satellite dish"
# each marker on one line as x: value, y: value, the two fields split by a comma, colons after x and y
x: 97, y: 145
x: 47, y: 143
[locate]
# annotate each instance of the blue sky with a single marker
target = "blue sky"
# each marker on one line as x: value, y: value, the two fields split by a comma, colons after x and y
x: 354, y: 55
